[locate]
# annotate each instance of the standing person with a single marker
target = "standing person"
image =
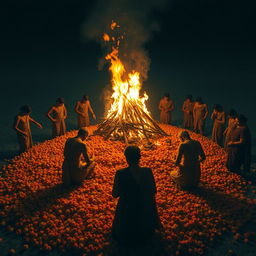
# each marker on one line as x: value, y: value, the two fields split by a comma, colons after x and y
x: 239, y: 147
x: 232, y: 122
x: 193, y: 154
x: 77, y: 165
x: 187, y: 109
x: 166, y: 106
x: 82, y: 109
x: 218, y: 117
x: 200, y: 112
x: 22, y: 127
x: 57, y: 114
x: 136, y: 217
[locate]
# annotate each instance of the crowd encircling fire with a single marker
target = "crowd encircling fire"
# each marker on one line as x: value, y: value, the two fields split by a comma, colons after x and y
x: 128, y: 117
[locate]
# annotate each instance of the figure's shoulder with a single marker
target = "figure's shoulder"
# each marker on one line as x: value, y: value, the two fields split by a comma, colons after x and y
x: 196, y: 143
x: 122, y: 172
x: 17, y: 117
x: 146, y: 170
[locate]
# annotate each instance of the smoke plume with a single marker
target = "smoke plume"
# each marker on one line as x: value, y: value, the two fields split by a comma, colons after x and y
x: 133, y: 16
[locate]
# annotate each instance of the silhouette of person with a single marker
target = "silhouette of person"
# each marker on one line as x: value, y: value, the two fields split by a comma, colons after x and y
x: 193, y: 154
x: 218, y: 117
x: 82, y: 109
x: 22, y: 127
x: 239, y: 147
x: 200, y: 112
x: 187, y: 109
x: 77, y: 165
x: 136, y: 217
x: 57, y: 114
x: 166, y: 106
x: 232, y: 122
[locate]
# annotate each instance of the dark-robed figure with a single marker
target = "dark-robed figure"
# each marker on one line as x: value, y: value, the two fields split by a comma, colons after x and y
x: 239, y: 147
x: 136, y: 217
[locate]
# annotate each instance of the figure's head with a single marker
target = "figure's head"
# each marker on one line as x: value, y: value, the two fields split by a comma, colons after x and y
x: 82, y: 133
x: 25, y: 110
x: 167, y: 95
x: 199, y: 100
x: 60, y: 101
x: 232, y: 113
x: 132, y: 154
x: 242, y: 120
x: 189, y: 97
x: 218, y: 108
x: 85, y: 98
x: 184, y: 135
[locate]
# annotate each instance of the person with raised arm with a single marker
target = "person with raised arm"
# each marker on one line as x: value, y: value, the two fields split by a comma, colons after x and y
x: 22, y: 127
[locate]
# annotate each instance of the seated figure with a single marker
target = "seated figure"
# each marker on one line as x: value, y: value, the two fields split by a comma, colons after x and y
x: 75, y: 169
x: 192, y: 154
x: 136, y: 217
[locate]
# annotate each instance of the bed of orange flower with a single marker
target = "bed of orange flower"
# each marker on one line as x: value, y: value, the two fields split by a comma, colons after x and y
x: 35, y: 205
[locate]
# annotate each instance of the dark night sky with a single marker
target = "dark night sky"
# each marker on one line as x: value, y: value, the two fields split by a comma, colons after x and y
x: 204, y: 47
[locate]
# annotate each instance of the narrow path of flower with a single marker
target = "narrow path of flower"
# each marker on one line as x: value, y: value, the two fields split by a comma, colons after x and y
x: 34, y: 204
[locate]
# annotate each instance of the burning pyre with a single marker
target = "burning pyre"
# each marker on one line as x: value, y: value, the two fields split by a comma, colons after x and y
x: 128, y: 118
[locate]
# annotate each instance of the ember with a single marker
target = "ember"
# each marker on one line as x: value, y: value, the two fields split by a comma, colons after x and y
x: 128, y: 118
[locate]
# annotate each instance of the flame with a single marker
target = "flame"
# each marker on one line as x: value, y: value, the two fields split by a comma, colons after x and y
x: 126, y: 91
x: 106, y: 37
x: 113, y: 25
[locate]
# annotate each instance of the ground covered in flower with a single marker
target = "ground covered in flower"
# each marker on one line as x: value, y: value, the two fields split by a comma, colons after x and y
x: 35, y: 205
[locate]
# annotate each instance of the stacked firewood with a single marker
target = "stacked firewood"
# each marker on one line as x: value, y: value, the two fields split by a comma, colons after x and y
x: 131, y: 124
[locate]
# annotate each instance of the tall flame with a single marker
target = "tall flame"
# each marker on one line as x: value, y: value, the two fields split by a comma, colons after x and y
x: 128, y: 117
x: 124, y: 89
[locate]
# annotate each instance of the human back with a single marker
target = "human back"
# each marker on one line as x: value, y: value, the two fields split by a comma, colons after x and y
x: 136, y: 217
x: 191, y: 152
x: 73, y: 150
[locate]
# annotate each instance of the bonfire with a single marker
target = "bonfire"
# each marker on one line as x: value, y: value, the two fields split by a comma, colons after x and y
x: 128, y: 118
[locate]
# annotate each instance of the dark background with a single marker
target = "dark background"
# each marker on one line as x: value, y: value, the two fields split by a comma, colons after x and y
x: 205, y: 47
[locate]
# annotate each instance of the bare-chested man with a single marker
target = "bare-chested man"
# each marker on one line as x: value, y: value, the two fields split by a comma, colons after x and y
x: 57, y: 114
x: 22, y: 127
x: 82, y: 109
x: 77, y: 165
